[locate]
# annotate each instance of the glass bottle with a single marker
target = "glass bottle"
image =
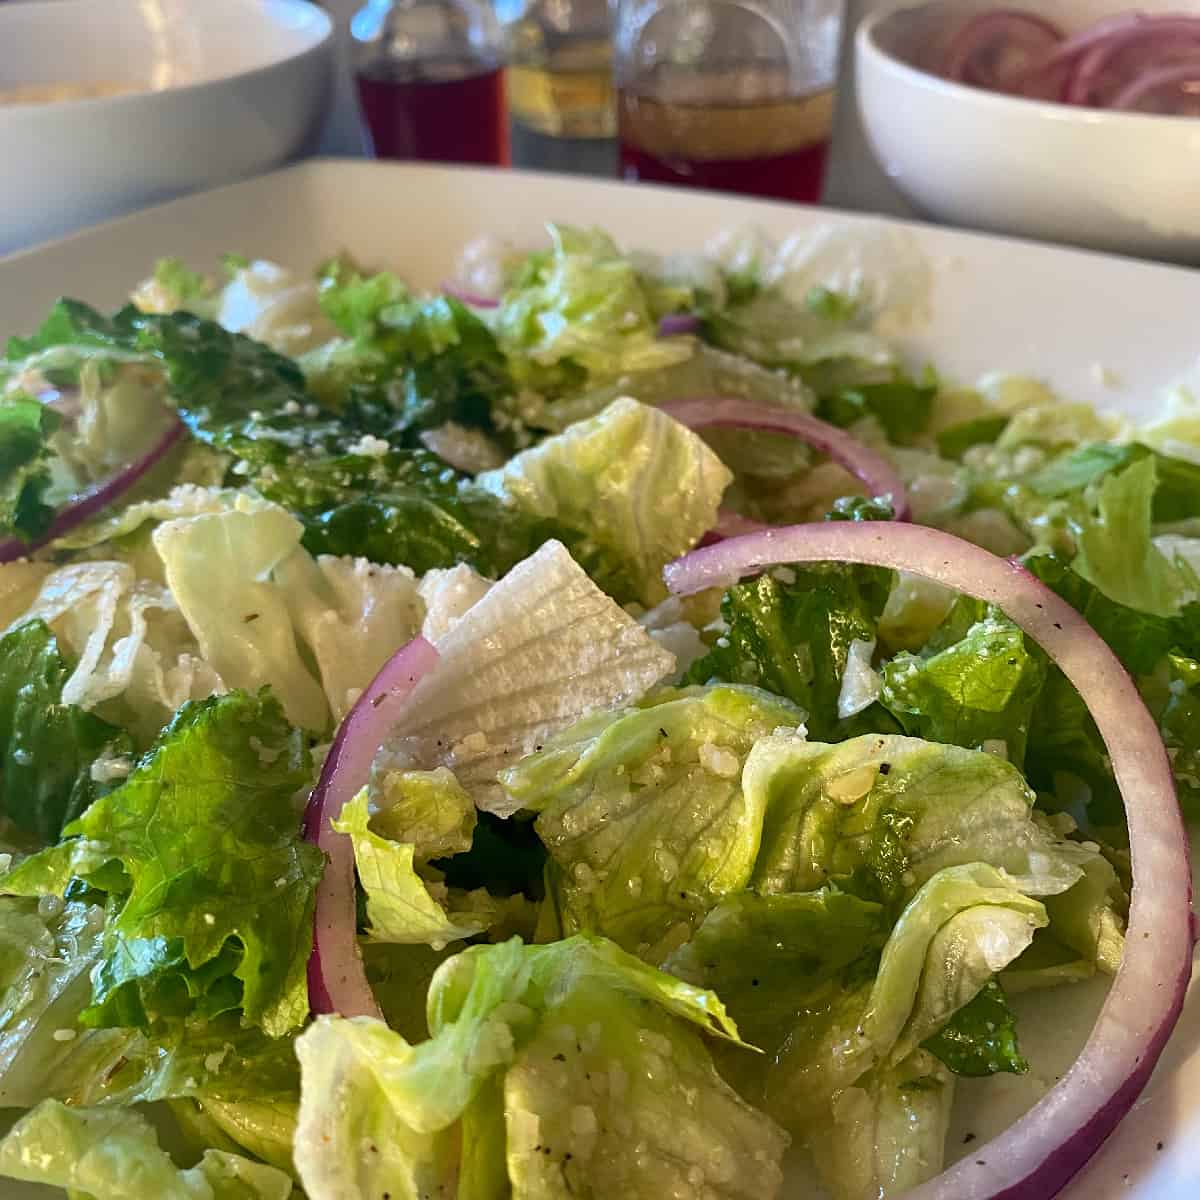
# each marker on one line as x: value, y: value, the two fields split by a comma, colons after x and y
x: 430, y: 79
x: 560, y: 90
x: 732, y: 95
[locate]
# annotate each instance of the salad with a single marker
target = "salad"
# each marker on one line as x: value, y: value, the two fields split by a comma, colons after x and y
x: 609, y: 727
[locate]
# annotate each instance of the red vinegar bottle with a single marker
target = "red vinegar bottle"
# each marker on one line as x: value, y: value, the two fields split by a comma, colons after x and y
x: 430, y: 80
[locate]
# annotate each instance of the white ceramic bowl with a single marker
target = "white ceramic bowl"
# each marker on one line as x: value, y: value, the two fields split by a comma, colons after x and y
x: 1128, y: 182
x: 222, y: 89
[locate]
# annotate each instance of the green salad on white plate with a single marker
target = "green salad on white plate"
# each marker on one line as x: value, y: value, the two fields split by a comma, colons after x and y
x: 608, y: 728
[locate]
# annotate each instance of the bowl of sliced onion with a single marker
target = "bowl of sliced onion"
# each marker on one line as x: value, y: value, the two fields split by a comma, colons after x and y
x: 1074, y: 120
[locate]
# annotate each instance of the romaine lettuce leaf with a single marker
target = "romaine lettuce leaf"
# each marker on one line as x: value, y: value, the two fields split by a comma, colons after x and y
x: 26, y: 427
x: 218, y: 568
x: 352, y: 614
x: 614, y: 1097
x: 499, y: 1067
x: 823, y: 344
x: 430, y: 809
x: 886, y: 1134
x: 978, y: 692
x: 981, y: 1038
x: 644, y: 814
x: 53, y: 763
x: 269, y: 304
x: 767, y: 957
x: 880, y: 815
x: 135, y: 660
x: 962, y: 927
x: 902, y: 406
x: 45, y: 960
x: 1116, y: 552
x: 541, y: 649
x: 210, y: 887
x: 578, y: 312
x: 404, y: 507
x: 638, y: 487
x: 401, y: 906
x: 113, y: 1154
x: 791, y: 630
x: 47, y: 953
x: 1140, y: 639
x: 173, y: 286
x: 1179, y: 721
x: 708, y: 372
x: 405, y: 364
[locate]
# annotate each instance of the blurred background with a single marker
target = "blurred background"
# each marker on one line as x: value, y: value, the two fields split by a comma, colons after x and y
x: 589, y: 81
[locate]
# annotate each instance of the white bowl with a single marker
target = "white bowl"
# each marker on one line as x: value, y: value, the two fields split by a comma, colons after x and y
x: 221, y: 89
x: 1128, y: 182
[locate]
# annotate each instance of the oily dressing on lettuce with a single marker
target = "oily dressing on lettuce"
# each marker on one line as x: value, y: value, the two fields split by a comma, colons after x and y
x: 719, y: 897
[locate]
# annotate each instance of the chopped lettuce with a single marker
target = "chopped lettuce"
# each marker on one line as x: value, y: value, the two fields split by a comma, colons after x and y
x: 792, y: 630
x: 508, y: 1086
x: 962, y: 927
x: 902, y: 406
x: 174, y: 286
x: 610, y: 478
x: 578, y: 312
x: 1116, y: 552
x: 352, y: 614
x: 405, y: 364
x: 879, y: 815
x: 113, y: 1154
x: 708, y: 372
x: 885, y: 1134
x: 26, y: 427
x: 429, y: 809
x: 47, y: 954
x: 981, y: 1038
x: 978, y: 692
x: 541, y: 649
x: 57, y: 758
x: 644, y: 815
x: 216, y: 566
x: 210, y: 888
x: 766, y: 956
x: 401, y: 906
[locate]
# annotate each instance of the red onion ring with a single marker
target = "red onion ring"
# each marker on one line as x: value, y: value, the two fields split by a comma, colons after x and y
x: 1134, y: 92
x: 1090, y: 68
x: 730, y: 524
x: 97, y: 497
x: 1004, y: 28
x: 470, y: 299
x: 678, y: 323
x: 1037, y: 1155
x: 1084, y: 87
x: 870, y: 469
x: 337, y: 982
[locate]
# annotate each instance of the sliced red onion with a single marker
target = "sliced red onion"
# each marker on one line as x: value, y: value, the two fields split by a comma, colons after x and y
x: 337, y: 982
x: 466, y: 296
x: 730, y: 524
x: 982, y: 52
x: 1100, y: 72
x: 1040, y: 1152
x: 1182, y: 80
x: 97, y: 497
x: 1090, y: 68
x: 872, y: 470
x: 678, y: 323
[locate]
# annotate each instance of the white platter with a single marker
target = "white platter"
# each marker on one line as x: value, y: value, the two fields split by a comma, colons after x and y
x: 997, y: 304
